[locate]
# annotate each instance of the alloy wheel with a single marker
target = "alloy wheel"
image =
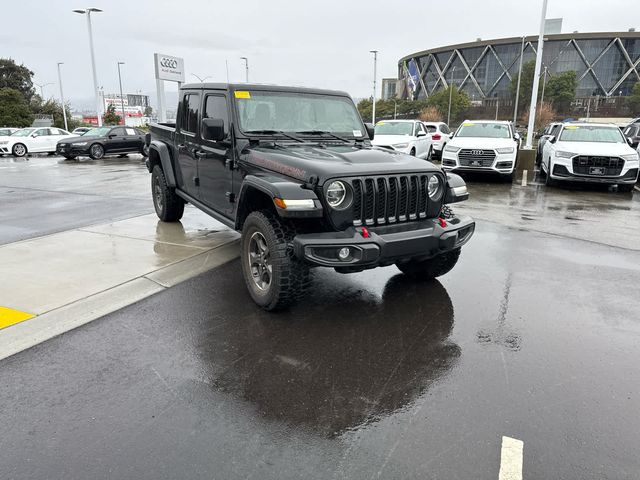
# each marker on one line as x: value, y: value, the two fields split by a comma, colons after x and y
x: 260, y: 261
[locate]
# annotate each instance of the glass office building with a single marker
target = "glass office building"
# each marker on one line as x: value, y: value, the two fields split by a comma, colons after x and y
x: 607, y: 64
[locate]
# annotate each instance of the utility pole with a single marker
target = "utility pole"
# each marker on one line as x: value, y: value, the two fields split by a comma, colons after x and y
x: 64, y: 109
x: 246, y: 68
x: 375, y: 74
x: 536, y: 79
x: 395, y: 108
x: 515, y: 109
x: 124, y: 122
x: 450, y: 96
x: 497, y: 106
x: 99, y: 105
x: 41, y: 85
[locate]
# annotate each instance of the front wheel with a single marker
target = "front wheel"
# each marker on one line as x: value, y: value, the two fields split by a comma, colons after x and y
x: 274, y: 277
x: 169, y: 206
x: 432, y: 267
x: 548, y: 181
x: 96, y: 151
x: 19, y: 150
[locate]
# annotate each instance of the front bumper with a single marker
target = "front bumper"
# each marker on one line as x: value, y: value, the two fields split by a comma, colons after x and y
x: 562, y: 172
x: 385, y: 245
x: 72, y: 149
x: 504, y: 163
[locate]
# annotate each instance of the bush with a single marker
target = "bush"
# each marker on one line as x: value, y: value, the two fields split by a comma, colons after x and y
x: 430, y: 114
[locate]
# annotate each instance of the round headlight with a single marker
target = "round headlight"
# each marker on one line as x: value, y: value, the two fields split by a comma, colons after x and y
x: 337, y: 195
x: 434, y: 188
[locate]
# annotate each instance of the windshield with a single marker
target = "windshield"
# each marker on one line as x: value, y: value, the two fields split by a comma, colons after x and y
x: 587, y: 133
x: 297, y: 112
x: 97, y: 132
x: 23, y: 133
x: 484, y: 130
x: 394, y: 128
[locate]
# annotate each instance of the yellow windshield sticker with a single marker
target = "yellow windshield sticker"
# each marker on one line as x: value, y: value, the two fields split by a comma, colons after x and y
x: 379, y: 123
x: 571, y: 127
x: 468, y: 124
x: 242, y: 94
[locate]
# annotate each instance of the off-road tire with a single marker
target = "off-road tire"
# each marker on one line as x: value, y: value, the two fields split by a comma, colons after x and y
x: 433, y: 267
x: 169, y: 206
x: 96, y: 151
x: 289, y: 276
x: 19, y: 150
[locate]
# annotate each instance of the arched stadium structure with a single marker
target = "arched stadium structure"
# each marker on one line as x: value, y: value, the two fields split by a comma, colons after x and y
x: 607, y: 64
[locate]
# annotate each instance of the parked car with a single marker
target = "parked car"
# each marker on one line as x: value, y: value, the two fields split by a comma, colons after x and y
x: 5, y: 132
x: 590, y: 152
x: 102, y: 141
x: 632, y: 132
x: 294, y: 170
x: 406, y: 136
x: 482, y: 146
x: 81, y: 130
x: 440, y: 135
x: 33, y: 140
x: 549, y: 131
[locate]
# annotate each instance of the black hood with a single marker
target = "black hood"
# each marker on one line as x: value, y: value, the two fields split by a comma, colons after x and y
x: 305, y: 161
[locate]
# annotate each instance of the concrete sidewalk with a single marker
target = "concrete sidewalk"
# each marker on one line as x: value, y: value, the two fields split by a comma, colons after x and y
x: 51, y: 284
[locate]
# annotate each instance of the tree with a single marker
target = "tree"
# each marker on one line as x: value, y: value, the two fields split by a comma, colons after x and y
x: 148, y: 111
x: 526, y: 85
x: 561, y: 90
x: 110, y: 117
x: 54, y: 108
x: 14, y: 109
x: 17, y: 77
x: 634, y: 100
x: 460, y: 102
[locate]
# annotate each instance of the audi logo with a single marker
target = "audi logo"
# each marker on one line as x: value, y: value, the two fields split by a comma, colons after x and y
x: 476, y: 152
x: 169, y: 63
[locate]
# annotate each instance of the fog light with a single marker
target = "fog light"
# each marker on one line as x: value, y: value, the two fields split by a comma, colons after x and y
x: 344, y: 253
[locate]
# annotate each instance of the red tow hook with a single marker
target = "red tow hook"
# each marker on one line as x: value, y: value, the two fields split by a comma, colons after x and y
x: 443, y: 222
x: 364, y: 232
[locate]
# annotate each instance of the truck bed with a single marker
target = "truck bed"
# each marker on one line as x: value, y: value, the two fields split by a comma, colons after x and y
x: 165, y: 132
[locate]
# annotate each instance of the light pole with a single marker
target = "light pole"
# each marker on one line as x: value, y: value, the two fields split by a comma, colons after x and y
x: 124, y: 122
x: 536, y: 79
x: 497, y: 106
x: 450, y: 96
x: 395, y: 108
x: 515, y: 109
x: 41, y: 85
x: 64, y: 110
x: 544, y: 83
x: 246, y: 68
x: 375, y: 74
x: 202, y: 79
x: 87, y: 12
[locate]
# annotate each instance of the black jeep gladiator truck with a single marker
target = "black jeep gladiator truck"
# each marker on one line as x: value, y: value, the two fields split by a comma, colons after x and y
x: 294, y: 171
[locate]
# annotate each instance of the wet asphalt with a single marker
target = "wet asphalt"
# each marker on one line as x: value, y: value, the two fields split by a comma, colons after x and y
x: 531, y: 336
x: 534, y: 335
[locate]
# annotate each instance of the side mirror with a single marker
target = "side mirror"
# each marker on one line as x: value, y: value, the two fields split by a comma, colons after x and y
x: 552, y: 139
x: 370, y: 130
x: 112, y: 135
x: 456, y: 189
x: 212, y: 129
x: 421, y: 134
x: 34, y: 135
x: 516, y: 136
x: 634, y: 144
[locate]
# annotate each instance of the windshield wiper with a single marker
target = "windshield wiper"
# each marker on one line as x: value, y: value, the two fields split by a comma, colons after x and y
x: 276, y: 132
x: 323, y: 132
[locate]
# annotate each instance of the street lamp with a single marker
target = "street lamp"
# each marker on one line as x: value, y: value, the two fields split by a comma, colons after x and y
x: 41, y: 89
x: 124, y: 122
x: 87, y: 12
x: 246, y: 68
x: 375, y: 73
x: 536, y: 79
x: 64, y: 110
x: 450, y: 94
x: 395, y: 108
x: 201, y: 79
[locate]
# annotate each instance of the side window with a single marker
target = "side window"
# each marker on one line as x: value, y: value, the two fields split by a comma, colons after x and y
x: 190, y: 108
x: 555, y: 130
x: 41, y: 131
x: 445, y: 129
x: 431, y: 128
x: 118, y: 131
x: 216, y: 107
x: 417, y: 128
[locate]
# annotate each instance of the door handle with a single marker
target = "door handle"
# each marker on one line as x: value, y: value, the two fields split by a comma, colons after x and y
x: 181, y: 146
x: 200, y: 154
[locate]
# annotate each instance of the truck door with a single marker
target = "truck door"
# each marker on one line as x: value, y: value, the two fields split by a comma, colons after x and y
x: 214, y: 166
x: 187, y: 139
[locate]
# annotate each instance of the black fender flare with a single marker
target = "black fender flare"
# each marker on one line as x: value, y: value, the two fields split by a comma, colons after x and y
x: 164, y: 155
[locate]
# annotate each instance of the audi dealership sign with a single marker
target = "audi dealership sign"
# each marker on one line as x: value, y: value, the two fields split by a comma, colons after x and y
x: 169, y: 68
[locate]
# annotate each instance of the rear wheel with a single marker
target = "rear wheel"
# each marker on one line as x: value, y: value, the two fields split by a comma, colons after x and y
x: 413, y: 152
x: 169, y: 206
x: 274, y: 277
x: 19, y: 150
x: 96, y: 151
x: 432, y: 267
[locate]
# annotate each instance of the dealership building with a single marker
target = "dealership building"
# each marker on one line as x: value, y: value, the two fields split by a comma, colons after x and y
x: 607, y: 65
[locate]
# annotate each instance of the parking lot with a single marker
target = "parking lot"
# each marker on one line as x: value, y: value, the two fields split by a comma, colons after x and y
x: 534, y: 336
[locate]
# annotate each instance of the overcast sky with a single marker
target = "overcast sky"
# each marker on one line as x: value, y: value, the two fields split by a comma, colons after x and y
x: 322, y: 44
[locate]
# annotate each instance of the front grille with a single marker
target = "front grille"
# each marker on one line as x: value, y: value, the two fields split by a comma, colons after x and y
x: 476, y: 158
x: 583, y: 165
x: 384, y: 200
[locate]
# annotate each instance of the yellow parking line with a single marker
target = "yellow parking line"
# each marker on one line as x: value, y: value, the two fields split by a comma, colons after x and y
x: 8, y: 317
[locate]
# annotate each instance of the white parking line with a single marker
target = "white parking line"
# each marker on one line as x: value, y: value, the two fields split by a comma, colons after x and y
x: 511, y: 459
